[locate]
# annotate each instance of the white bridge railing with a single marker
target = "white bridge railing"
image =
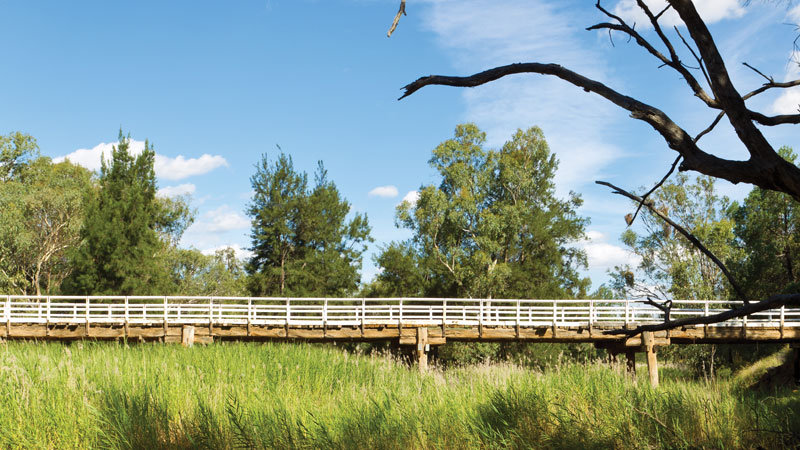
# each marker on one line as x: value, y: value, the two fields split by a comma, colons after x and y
x: 308, y: 312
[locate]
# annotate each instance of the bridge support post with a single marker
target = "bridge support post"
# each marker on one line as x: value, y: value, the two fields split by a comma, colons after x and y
x: 652, y: 362
x: 422, y: 349
x: 187, y: 336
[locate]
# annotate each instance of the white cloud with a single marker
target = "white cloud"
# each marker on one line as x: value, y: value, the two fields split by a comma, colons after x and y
x: 220, y: 220
x: 180, y: 167
x: 710, y: 10
x: 603, y: 255
x: 794, y: 14
x: 384, y: 192
x: 241, y: 253
x: 166, y: 167
x: 411, y: 197
x: 177, y: 191
x: 789, y: 100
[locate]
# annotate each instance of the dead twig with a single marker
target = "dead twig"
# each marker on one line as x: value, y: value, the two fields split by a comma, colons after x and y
x: 400, y: 12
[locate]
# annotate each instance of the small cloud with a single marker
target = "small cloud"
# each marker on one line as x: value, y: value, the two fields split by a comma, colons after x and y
x: 384, y: 192
x: 603, y: 255
x: 179, y: 168
x: 789, y: 100
x: 166, y: 167
x: 177, y: 191
x: 794, y: 14
x: 411, y: 197
x: 241, y: 253
x: 220, y: 220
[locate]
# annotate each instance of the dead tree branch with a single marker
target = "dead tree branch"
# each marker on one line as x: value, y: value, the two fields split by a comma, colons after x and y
x: 658, y: 185
x: 696, y: 242
x: 773, y: 302
x: 400, y: 12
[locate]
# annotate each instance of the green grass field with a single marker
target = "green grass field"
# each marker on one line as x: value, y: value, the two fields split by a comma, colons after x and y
x: 242, y: 395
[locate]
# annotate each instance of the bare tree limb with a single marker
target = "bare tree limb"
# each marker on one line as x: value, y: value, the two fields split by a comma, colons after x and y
x: 673, y: 61
x: 775, y: 301
x: 658, y: 185
x: 400, y: 12
x: 710, y: 127
x: 696, y: 242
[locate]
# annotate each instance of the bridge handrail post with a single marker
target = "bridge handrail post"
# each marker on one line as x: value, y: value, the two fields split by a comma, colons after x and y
x: 7, y: 312
x: 480, y: 309
x: 555, y: 312
x: 782, y: 314
x: 591, y: 312
x: 249, y: 310
x: 210, y: 311
x: 705, y: 308
x: 126, y: 309
x: 288, y: 311
x: 518, y: 305
x: 363, y: 311
x: 166, y: 309
x: 87, y: 310
x: 444, y: 312
x: 325, y: 312
x: 627, y: 311
x: 400, y: 319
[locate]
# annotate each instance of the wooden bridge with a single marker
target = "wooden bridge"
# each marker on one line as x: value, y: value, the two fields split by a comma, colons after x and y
x: 421, y: 322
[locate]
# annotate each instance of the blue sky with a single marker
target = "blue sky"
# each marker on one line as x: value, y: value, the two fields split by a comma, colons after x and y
x: 214, y: 85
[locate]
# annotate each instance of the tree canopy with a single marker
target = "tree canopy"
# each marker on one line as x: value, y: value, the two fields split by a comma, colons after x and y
x: 493, y: 227
x: 127, y: 229
x: 303, y: 242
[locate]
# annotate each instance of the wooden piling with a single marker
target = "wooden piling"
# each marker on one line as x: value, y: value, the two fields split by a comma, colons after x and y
x: 422, y: 349
x: 187, y: 336
x: 652, y: 362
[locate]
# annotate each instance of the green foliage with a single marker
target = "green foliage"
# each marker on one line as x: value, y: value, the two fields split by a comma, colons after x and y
x: 196, y: 274
x: 671, y: 266
x: 42, y: 208
x: 303, y: 244
x: 768, y: 232
x: 16, y: 150
x: 107, y: 395
x: 127, y: 230
x: 492, y: 228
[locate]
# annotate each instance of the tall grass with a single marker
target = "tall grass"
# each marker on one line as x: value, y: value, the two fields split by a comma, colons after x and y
x: 243, y: 395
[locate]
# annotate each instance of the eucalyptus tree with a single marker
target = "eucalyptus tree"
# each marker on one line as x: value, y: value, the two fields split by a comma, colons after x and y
x: 493, y: 227
x: 43, y: 208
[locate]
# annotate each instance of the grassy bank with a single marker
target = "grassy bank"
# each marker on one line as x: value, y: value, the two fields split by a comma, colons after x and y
x: 303, y: 396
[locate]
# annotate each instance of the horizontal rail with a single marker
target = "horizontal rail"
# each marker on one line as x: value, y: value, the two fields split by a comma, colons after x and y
x: 19, y: 309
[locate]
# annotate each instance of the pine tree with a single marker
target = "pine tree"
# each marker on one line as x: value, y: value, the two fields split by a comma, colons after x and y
x: 303, y: 244
x: 121, y: 249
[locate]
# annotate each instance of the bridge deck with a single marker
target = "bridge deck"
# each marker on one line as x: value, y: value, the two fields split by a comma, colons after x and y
x: 111, y: 317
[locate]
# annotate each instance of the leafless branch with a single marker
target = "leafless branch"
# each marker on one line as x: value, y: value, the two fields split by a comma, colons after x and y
x: 658, y: 185
x: 696, y: 242
x: 710, y: 127
x: 400, y: 12
x: 665, y: 307
x: 673, y: 60
x: 769, y: 79
x: 697, y: 58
